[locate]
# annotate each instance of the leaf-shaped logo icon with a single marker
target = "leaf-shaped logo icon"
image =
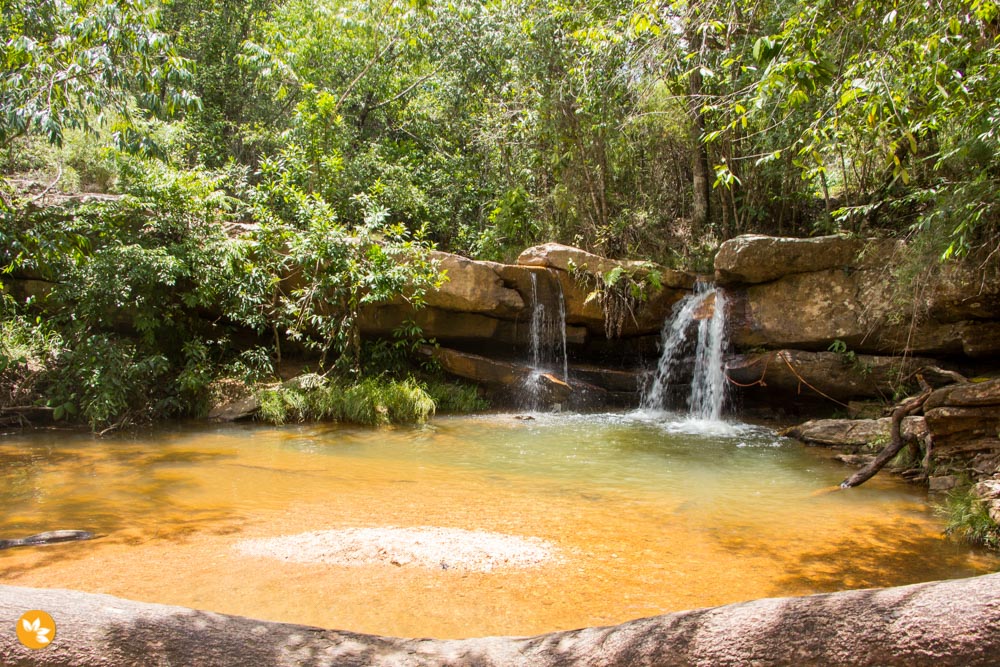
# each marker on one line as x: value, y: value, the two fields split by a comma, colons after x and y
x: 36, y: 629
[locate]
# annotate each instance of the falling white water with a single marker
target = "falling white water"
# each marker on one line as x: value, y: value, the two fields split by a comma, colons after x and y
x: 708, y: 382
x: 562, y: 333
x: 547, y: 342
x: 708, y: 385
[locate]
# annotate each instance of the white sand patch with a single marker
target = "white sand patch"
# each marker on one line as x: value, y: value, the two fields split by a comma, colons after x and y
x: 431, y: 547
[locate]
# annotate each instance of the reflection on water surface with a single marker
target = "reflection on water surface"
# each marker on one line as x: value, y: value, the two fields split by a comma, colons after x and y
x: 651, y: 514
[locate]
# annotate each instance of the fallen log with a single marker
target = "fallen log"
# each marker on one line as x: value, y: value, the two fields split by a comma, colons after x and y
x: 941, y: 623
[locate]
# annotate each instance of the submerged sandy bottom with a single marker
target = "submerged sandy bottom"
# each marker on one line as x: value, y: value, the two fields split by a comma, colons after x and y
x: 424, y: 546
x: 594, y: 525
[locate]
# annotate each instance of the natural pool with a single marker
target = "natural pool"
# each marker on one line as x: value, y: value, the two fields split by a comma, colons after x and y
x: 648, y: 513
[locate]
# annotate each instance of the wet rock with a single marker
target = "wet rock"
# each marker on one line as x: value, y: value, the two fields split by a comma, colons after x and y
x: 230, y: 411
x: 857, y: 460
x: 612, y: 379
x: 505, y: 374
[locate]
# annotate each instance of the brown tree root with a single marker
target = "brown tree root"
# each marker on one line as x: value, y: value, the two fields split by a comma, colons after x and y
x: 896, y: 443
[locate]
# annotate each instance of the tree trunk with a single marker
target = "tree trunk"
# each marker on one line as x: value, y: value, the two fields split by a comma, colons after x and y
x: 941, y: 624
x: 701, y: 183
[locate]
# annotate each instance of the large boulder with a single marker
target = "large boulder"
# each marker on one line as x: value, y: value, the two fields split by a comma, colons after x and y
x: 940, y: 624
x: 472, y: 287
x: 570, y: 259
x: 759, y: 259
x: 579, y: 274
x: 808, y: 293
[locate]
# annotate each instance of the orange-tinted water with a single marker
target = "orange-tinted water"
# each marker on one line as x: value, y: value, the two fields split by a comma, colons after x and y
x: 649, y: 516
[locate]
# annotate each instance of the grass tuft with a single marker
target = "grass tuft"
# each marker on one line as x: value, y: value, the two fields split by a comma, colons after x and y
x: 969, y: 518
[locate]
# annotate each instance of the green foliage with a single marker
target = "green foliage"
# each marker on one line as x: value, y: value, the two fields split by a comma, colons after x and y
x: 373, y: 401
x: 885, y: 109
x: 27, y: 349
x: 619, y: 292
x: 62, y: 64
x: 847, y: 356
x: 109, y: 382
x: 969, y: 519
x: 455, y: 397
x: 327, y: 272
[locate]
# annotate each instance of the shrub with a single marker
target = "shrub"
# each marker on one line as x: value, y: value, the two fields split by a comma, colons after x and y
x: 969, y: 518
x: 371, y: 402
x: 455, y: 397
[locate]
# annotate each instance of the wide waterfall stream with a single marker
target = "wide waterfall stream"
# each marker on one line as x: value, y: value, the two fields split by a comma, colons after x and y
x: 645, y: 513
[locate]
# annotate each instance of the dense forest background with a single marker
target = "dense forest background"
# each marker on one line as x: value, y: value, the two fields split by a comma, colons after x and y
x: 221, y: 143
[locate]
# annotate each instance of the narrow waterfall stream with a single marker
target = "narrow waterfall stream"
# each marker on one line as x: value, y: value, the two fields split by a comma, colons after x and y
x: 547, y: 338
x: 697, y: 327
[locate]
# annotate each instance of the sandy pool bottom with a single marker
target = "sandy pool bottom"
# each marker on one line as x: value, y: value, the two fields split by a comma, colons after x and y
x: 618, y: 558
x: 175, y: 520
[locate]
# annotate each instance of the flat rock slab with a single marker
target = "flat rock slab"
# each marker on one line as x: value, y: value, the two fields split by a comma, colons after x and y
x: 854, y: 432
x: 941, y: 624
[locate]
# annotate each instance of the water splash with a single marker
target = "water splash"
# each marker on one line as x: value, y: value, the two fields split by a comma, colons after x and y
x: 691, y: 330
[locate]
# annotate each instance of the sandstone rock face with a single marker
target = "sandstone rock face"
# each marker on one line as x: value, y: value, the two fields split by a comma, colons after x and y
x: 939, y: 624
x: 989, y: 492
x: 965, y: 417
x: 854, y: 433
x: 577, y: 271
x: 759, y: 259
x: 568, y: 258
x: 822, y: 374
x: 499, y: 374
x: 812, y: 310
x: 473, y: 287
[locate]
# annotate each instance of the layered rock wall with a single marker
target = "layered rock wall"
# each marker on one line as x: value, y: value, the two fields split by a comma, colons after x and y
x: 849, y: 318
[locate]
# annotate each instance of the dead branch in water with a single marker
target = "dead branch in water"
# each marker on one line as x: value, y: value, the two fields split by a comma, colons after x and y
x: 908, y: 407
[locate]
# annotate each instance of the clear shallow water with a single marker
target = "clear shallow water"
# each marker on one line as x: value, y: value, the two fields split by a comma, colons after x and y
x: 651, y: 513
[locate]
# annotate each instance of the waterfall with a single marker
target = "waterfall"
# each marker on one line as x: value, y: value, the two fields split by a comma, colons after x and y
x: 547, y: 338
x: 708, y: 382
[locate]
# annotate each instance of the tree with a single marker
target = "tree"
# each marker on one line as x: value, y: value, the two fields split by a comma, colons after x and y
x: 72, y: 65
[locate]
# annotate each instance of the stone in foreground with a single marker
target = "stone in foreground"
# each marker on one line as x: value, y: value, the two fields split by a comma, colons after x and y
x: 942, y: 623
